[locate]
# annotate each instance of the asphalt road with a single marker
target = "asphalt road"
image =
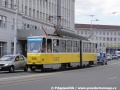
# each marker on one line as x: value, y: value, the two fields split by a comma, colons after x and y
x: 107, y: 76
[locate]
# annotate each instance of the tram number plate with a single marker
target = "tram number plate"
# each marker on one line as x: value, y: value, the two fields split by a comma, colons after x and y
x: 56, y: 58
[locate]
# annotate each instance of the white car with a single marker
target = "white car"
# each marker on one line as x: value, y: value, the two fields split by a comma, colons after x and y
x: 109, y: 57
x: 13, y: 62
x: 114, y: 56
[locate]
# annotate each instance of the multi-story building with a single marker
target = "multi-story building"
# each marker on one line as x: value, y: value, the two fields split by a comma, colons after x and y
x: 32, y: 16
x: 107, y: 37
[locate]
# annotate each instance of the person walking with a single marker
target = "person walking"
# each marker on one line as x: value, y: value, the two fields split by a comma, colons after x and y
x: 105, y: 59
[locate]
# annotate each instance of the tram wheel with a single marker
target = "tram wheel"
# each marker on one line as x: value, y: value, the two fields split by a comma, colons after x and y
x: 32, y: 68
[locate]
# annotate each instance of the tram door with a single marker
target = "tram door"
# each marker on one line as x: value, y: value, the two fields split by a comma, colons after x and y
x: 56, y: 50
x: 49, y: 54
x: 49, y: 45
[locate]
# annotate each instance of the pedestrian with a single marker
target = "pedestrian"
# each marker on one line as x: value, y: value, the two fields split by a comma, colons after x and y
x: 105, y: 58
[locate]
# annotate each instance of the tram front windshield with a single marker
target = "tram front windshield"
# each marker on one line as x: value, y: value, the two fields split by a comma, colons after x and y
x: 34, y: 45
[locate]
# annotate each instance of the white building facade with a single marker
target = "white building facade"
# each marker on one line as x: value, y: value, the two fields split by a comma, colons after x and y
x: 107, y: 37
x: 32, y: 15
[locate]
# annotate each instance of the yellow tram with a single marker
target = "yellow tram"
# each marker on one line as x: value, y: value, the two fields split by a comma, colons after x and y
x: 53, y: 52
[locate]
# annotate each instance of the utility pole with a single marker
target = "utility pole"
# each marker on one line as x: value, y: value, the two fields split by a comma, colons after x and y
x: 15, y: 31
x: 91, y: 29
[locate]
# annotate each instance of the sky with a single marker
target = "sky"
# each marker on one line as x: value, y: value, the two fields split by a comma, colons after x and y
x: 102, y: 12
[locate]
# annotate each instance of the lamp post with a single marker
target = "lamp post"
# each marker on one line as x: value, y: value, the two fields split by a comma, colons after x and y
x: 91, y: 28
x: 91, y: 23
x: 15, y: 31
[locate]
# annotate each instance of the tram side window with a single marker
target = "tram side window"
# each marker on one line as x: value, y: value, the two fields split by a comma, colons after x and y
x: 93, y: 49
x: 62, y: 47
x: 55, y: 45
x: 78, y: 46
x: 86, y: 46
x: 89, y: 47
x: 49, y: 45
x: 43, y: 48
x: 83, y: 47
x: 69, y: 46
x: 73, y: 46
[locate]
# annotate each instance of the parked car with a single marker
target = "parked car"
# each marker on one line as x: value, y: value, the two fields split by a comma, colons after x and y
x: 102, y: 59
x: 13, y: 62
x: 109, y: 57
x: 114, y: 56
x: 117, y: 53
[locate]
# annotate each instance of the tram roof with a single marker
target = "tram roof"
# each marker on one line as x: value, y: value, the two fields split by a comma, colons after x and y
x: 64, y: 33
x: 73, y: 35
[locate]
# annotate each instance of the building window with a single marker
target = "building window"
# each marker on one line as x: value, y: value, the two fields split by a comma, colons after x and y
x: 25, y: 10
x: 114, y: 39
x: 38, y: 14
x: 46, y: 5
x: 4, y: 21
x: 43, y: 16
x: 107, y: 39
x: 96, y: 38
x: 118, y: 33
x: 1, y: 21
x: 12, y: 47
x: 22, y: 8
x: 100, y: 45
x: 12, y: 4
x: 30, y: 12
x: 77, y: 32
x: 6, y: 3
x: 49, y: 6
x: 81, y: 32
x: 111, y: 33
x: 34, y: 13
x: 111, y: 39
x: 43, y: 4
x: 118, y: 39
x: 103, y: 38
x: 13, y: 23
x: 1, y: 48
x: 46, y: 17
x: 103, y: 44
x: 103, y: 33
x: 107, y: 33
x: 114, y: 33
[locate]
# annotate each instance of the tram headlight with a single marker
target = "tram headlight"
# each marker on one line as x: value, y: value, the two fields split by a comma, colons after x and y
x: 28, y: 60
x: 38, y: 60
